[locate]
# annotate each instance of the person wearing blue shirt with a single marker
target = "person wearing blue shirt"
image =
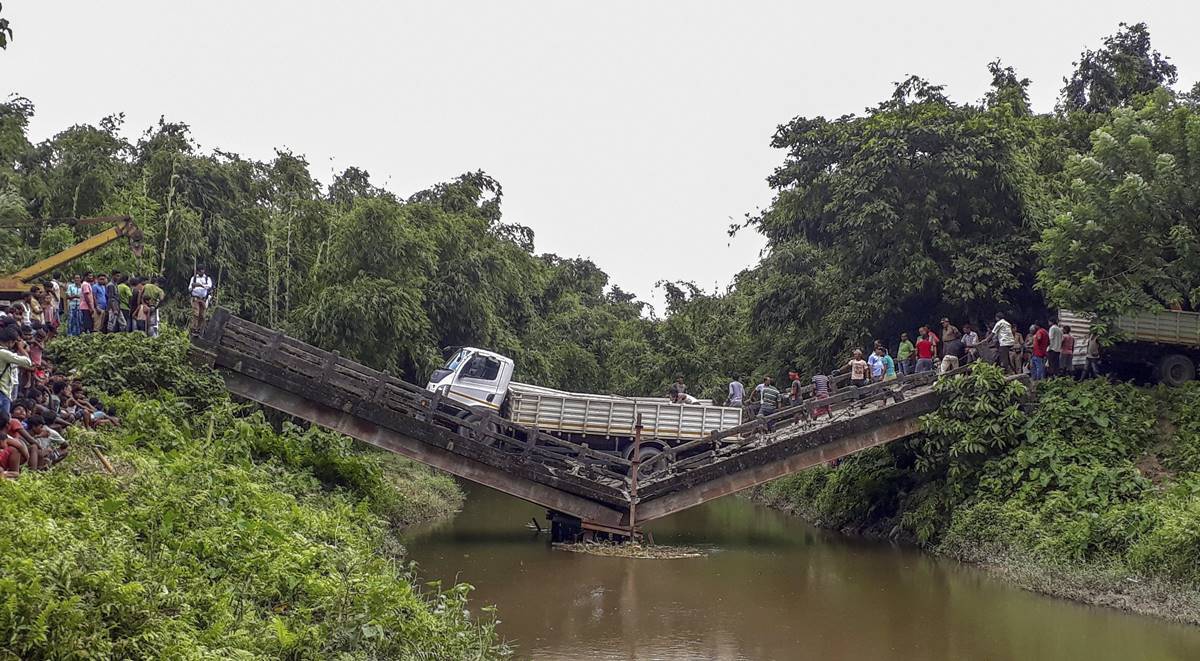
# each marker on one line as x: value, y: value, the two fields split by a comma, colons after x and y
x: 875, y: 360
x: 886, y: 361
x: 100, y: 294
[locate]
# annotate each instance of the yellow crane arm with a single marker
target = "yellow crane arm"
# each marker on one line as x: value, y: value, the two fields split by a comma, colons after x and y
x: 125, y: 227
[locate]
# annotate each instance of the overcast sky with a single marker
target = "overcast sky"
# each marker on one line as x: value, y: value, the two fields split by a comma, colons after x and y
x: 632, y: 133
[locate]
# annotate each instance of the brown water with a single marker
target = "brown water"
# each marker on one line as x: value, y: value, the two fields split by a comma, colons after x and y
x: 773, y: 587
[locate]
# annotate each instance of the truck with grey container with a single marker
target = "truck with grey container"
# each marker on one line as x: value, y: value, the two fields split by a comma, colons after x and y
x: 482, y: 381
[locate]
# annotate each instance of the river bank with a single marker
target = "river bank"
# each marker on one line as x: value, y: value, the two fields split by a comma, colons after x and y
x: 219, y: 533
x: 1090, y: 494
x: 1091, y: 584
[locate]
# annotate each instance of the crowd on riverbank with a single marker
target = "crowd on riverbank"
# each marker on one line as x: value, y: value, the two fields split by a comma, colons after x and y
x: 95, y: 303
x: 37, y: 401
x: 1045, y: 351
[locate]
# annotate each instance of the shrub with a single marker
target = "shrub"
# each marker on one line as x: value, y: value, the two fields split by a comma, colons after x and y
x: 185, y: 554
x: 132, y: 362
x: 218, y: 537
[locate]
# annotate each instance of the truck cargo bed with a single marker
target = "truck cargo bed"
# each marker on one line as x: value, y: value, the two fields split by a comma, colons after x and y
x: 612, y: 416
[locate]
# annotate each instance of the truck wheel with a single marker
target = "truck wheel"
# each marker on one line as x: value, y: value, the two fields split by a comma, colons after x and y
x: 1175, y: 369
x: 473, y: 421
x: 645, y: 454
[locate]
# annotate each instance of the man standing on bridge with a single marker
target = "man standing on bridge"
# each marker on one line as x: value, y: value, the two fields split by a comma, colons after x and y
x: 822, y: 387
x: 769, y: 398
x: 925, y: 352
x: 1054, y: 354
x: 794, y: 390
x: 859, y: 370
x: 1002, y: 332
x: 201, y: 288
x: 1041, y: 346
x: 904, y: 354
x: 737, y: 392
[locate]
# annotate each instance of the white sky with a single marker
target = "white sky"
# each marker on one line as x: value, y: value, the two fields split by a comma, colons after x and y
x: 632, y: 133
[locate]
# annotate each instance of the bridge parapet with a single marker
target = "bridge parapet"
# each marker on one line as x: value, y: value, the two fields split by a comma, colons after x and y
x: 326, y: 389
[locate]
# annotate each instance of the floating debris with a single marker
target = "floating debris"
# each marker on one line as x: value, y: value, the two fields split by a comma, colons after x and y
x: 644, y: 551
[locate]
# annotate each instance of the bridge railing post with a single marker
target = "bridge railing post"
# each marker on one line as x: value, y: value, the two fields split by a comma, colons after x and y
x: 634, y: 468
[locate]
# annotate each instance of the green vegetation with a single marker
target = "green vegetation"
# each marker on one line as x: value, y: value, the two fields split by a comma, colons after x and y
x: 219, y: 536
x: 920, y: 207
x: 1096, y: 475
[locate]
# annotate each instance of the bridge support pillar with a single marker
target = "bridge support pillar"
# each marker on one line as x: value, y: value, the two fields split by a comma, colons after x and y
x: 564, y: 528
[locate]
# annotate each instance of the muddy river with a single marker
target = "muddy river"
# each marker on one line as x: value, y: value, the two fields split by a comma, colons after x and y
x: 772, y: 587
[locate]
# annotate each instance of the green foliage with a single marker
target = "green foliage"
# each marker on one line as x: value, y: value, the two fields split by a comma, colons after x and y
x: 980, y: 418
x: 191, y: 553
x: 1059, y: 485
x: 5, y: 32
x: 1107, y: 78
x: 1170, y: 544
x: 132, y: 362
x: 1129, y: 234
x: 883, y: 221
x: 219, y: 537
x: 1184, y: 407
x: 1081, y: 441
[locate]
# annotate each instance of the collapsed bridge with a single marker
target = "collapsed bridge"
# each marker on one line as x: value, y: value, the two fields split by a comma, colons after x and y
x: 586, y: 491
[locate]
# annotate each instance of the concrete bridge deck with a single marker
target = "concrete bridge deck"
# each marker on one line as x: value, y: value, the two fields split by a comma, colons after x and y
x: 573, y: 479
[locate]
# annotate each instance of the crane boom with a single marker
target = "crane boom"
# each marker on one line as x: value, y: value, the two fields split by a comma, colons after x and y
x: 19, y: 282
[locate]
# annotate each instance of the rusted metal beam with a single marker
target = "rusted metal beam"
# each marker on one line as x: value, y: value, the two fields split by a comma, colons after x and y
x: 759, y: 474
x: 417, y: 450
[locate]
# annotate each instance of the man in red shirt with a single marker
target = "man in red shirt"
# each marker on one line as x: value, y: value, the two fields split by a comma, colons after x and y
x: 1041, y: 347
x: 924, y: 351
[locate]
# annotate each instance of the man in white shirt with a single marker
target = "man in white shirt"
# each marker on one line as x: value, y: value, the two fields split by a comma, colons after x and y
x: 200, y: 288
x: 1003, y: 334
x: 1054, y: 354
x: 737, y: 392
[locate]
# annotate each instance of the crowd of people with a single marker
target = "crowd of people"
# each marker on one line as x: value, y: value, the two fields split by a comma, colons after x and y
x: 102, y: 304
x: 1042, y: 353
x: 37, y: 402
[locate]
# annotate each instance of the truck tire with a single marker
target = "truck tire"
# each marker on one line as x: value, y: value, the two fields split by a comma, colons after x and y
x: 1174, y: 369
x: 647, y: 452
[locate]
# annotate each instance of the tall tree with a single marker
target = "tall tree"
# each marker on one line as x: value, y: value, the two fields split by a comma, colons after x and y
x: 1126, y: 66
x: 881, y: 222
x: 5, y: 31
x: 1128, y: 236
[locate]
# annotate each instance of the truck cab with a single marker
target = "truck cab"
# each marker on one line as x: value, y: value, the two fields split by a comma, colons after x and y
x: 474, y: 377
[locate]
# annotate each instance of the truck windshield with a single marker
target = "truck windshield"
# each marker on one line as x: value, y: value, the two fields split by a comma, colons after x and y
x: 457, y: 359
x: 482, y: 367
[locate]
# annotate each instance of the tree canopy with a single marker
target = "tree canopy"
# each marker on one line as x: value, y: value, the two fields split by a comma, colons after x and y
x: 920, y: 207
x: 1112, y: 76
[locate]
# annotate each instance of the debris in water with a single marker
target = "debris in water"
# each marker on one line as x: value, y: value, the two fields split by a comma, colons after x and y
x: 645, y: 551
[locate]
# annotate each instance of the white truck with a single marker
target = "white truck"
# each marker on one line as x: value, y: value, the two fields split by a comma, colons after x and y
x: 1167, y: 342
x: 482, y: 379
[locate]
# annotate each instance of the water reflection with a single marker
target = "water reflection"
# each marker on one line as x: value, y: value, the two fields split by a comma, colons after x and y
x: 772, y: 588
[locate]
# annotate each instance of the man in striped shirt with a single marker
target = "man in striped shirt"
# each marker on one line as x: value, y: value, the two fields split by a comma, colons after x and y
x: 822, y: 387
x: 769, y: 397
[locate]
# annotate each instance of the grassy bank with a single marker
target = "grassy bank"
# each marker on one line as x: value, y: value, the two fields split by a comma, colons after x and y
x: 1090, y: 493
x: 220, y: 535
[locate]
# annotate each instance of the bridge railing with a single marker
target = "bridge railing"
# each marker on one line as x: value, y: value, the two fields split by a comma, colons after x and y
x: 338, y: 383
x: 326, y: 377
x: 796, y: 418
